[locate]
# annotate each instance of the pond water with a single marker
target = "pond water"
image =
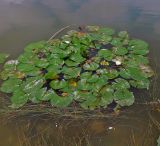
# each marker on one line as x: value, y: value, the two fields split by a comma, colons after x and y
x: 23, y: 22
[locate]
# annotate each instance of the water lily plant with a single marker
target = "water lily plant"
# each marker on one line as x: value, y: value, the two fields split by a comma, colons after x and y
x: 92, y: 67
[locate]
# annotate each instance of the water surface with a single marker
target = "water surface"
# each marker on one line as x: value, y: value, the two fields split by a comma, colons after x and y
x: 24, y: 21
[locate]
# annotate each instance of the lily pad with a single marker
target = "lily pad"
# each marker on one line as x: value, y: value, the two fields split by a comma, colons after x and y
x: 107, y: 96
x: 56, y: 84
x: 61, y: 101
x: 106, y: 31
x: 90, y: 67
x: 120, y: 84
x: 124, y: 97
x: 35, y: 46
x: 141, y: 84
x: 9, y: 85
x: 106, y: 54
x: 139, y: 47
x: 71, y: 72
x: 19, y: 98
x: 120, y: 50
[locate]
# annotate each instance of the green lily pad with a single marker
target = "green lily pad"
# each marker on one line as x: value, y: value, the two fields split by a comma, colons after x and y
x: 83, y: 85
x: 3, y: 57
x: 71, y: 63
x: 112, y: 73
x: 90, y: 102
x: 9, y: 85
x: 124, y: 97
x: 61, y: 101
x: 120, y: 84
x: 71, y: 72
x: 124, y: 73
x: 90, y: 67
x: 56, y: 84
x: 120, y: 50
x: 106, y: 54
x: 105, y: 39
x: 25, y: 67
x: 37, y: 94
x: 139, y: 47
x: 138, y: 59
x: 42, y: 63
x: 35, y: 46
x: 116, y: 42
x: 136, y: 73
x: 107, y: 96
x: 48, y: 95
x: 32, y: 83
x: 141, y: 84
x: 93, y: 79
x: 77, y: 57
x: 19, y: 98
x: 106, y: 31
x: 123, y: 34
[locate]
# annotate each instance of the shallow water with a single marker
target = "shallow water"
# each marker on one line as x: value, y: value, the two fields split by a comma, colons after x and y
x: 22, y: 22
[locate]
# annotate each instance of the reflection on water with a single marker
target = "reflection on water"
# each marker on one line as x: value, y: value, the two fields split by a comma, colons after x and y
x: 25, y: 21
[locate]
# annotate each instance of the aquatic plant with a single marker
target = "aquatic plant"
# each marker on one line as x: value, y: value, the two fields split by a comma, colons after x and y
x: 158, y: 141
x: 91, y: 67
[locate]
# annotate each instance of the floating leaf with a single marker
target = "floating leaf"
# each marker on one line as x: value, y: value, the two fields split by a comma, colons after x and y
x: 9, y: 85
x: 61, y: 101
x: 71, y: 72
x: 83, y: 85
x: 107, y: 96
x: 106, y: 54
x: 56, y: 84
x: 35, y: 46
x: 139, y: 47
x: 106, y: 31
x: 120, y: 84
x: 77, y: 57
x: 32, y: 83
x: 71, y: 63
x: 135, y: 73
x: 123, y: 34
x: 120, y: 50
x: 25, y: 67
x: 41, y: 63
x: 90, y: 67
x: 124, y: 73
x: 90, y: 102
x: 37, y: 94
x: 142, y: 84
x: 116, y: 42
x: 19, y: 98
x: 112, y: 73
x: 124, y: 97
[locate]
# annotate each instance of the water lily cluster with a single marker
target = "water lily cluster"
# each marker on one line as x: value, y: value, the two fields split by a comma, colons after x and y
x: 91, y: 67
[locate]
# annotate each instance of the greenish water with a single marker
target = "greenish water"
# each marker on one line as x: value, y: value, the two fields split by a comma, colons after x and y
x: 22, y: 22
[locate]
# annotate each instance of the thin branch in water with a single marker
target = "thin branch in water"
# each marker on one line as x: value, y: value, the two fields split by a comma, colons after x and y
x: 59, y: 31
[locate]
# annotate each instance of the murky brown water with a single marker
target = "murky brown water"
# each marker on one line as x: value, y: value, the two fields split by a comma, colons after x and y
x: 22, y: 22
